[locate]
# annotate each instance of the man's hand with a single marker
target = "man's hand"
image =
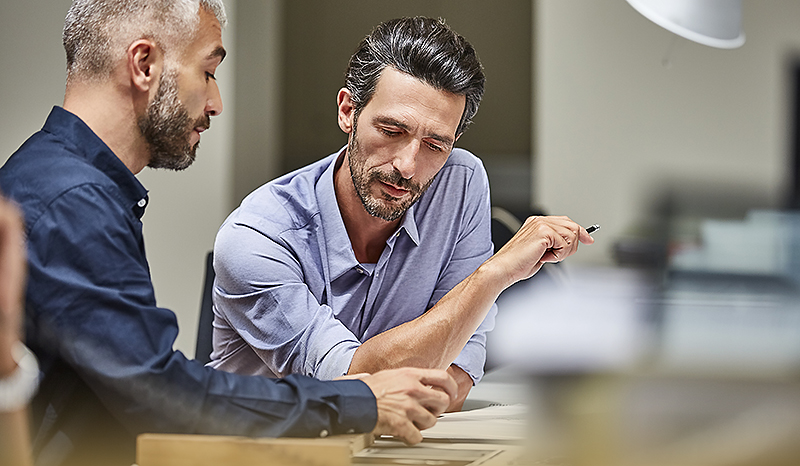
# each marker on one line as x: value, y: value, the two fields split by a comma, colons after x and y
x: 409, y: 400
x: 538, y: 241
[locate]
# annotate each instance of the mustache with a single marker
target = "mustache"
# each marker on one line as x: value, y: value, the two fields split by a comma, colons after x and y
x: 396, y: 179
x: 203, y: 122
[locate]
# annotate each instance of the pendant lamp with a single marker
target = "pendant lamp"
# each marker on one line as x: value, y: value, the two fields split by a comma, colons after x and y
x: 716, y: 23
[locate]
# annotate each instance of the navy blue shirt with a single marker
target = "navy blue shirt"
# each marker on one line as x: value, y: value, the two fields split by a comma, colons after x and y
x: 105, y: 347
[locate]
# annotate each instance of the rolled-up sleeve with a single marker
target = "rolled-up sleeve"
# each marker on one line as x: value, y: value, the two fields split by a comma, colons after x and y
x: 261, y: 292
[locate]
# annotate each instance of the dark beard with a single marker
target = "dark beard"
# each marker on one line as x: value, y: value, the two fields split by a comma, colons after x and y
x: 363, y: 179
x: 167, y: 127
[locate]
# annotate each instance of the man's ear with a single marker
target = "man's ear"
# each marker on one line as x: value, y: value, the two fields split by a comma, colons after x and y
x: 346, y: 110
x: 144, y: 64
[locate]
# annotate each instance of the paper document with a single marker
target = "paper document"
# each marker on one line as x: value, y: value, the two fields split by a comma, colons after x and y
x: 495, y: 423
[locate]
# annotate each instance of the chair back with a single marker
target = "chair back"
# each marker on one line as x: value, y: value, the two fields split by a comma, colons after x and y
x: 205, y: 327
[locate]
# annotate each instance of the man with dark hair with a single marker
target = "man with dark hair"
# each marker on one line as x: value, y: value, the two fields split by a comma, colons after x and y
x: 140, y: 91
x: 380, y: 254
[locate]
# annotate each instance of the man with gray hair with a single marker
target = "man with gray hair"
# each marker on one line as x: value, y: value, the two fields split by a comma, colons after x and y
x: 379, y: 255
x: 140, y: 91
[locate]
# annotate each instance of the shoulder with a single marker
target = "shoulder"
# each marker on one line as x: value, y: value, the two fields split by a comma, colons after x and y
x: 465, y: 159
x: 465, y: 169
x: 44, y: 170
x: 45, y: 156
x: 289, y: 202
x: 460, y: 188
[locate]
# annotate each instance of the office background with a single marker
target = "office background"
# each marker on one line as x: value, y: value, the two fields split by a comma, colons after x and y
x: 590, y: 111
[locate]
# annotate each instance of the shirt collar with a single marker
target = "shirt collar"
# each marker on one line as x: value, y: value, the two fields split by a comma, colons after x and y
x: 85, y: 143
x: 341, y: 257
x: 409, y: 225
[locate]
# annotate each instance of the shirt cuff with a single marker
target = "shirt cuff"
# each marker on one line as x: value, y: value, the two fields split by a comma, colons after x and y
x: 359, y: 413
x: 471, y: 360
x: 336, y: 362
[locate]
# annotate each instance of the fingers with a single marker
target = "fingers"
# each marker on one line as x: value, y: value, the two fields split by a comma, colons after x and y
x: 443, y: 381
x: 562, y: 234
x: 401, y: 418
x: 412, y: 418
x: 435, y: 401
x: 432, y: 390
x: 538, y: 241
x: 410, y: 432
x: 585, y: 237
x: 412, y: 437
x: 409, y: 400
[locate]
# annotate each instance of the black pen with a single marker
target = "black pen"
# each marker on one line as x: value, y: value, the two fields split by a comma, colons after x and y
x: 592, y: 228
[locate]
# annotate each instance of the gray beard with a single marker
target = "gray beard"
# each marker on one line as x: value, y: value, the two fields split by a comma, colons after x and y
x: 167, y: 127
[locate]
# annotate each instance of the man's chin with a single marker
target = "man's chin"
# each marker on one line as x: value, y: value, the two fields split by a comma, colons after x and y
x: 388, y: 211
x: 173, y: 162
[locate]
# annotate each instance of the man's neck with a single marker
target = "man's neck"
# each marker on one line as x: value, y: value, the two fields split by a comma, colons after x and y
x: 112, y: 119
x: 368, y: 234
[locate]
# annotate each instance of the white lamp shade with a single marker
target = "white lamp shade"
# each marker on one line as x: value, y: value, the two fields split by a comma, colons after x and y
x: 716, y: 23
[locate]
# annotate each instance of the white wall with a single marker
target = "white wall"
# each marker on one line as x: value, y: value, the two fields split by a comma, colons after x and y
x: 186, y: 208
x: 32, y: 75
x: 612, y: 123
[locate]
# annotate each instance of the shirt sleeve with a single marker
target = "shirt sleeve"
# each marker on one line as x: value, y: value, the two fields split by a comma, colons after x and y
x: 261, y: 292
x: 93, y: 305
x: 473, y: 248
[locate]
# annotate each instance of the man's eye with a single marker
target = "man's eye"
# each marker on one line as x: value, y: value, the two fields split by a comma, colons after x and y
x: 435, y: 147
x: 389, y: 132
x: 210, y: 76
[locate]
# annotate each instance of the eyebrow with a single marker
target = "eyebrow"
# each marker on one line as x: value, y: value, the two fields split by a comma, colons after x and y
x: 218, y: 52
x: 391, y: 121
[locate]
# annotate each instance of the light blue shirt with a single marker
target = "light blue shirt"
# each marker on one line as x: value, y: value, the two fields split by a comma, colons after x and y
x: 290, y: 296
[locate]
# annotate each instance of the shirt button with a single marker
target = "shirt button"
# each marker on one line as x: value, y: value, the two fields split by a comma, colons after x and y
x: 142, y: 202
x: 323, y: 433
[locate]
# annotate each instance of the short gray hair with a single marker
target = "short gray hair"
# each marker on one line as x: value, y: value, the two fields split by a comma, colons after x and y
x: 97, y: 32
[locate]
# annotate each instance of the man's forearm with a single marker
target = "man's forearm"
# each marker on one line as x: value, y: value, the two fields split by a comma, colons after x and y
x: 434, y: 339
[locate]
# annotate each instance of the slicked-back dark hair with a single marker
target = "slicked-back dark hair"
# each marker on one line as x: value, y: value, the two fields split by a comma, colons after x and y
x: 424, y: 48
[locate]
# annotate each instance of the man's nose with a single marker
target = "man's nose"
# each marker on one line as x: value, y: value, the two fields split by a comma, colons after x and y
x: 405, y: 161
x: 214, y: 102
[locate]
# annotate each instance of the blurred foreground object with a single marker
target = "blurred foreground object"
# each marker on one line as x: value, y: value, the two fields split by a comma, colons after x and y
x: 716, y: 23
x: 665, y: 419
x: 213, y: 450
x: 19, y: 370
x: 696, y: 362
